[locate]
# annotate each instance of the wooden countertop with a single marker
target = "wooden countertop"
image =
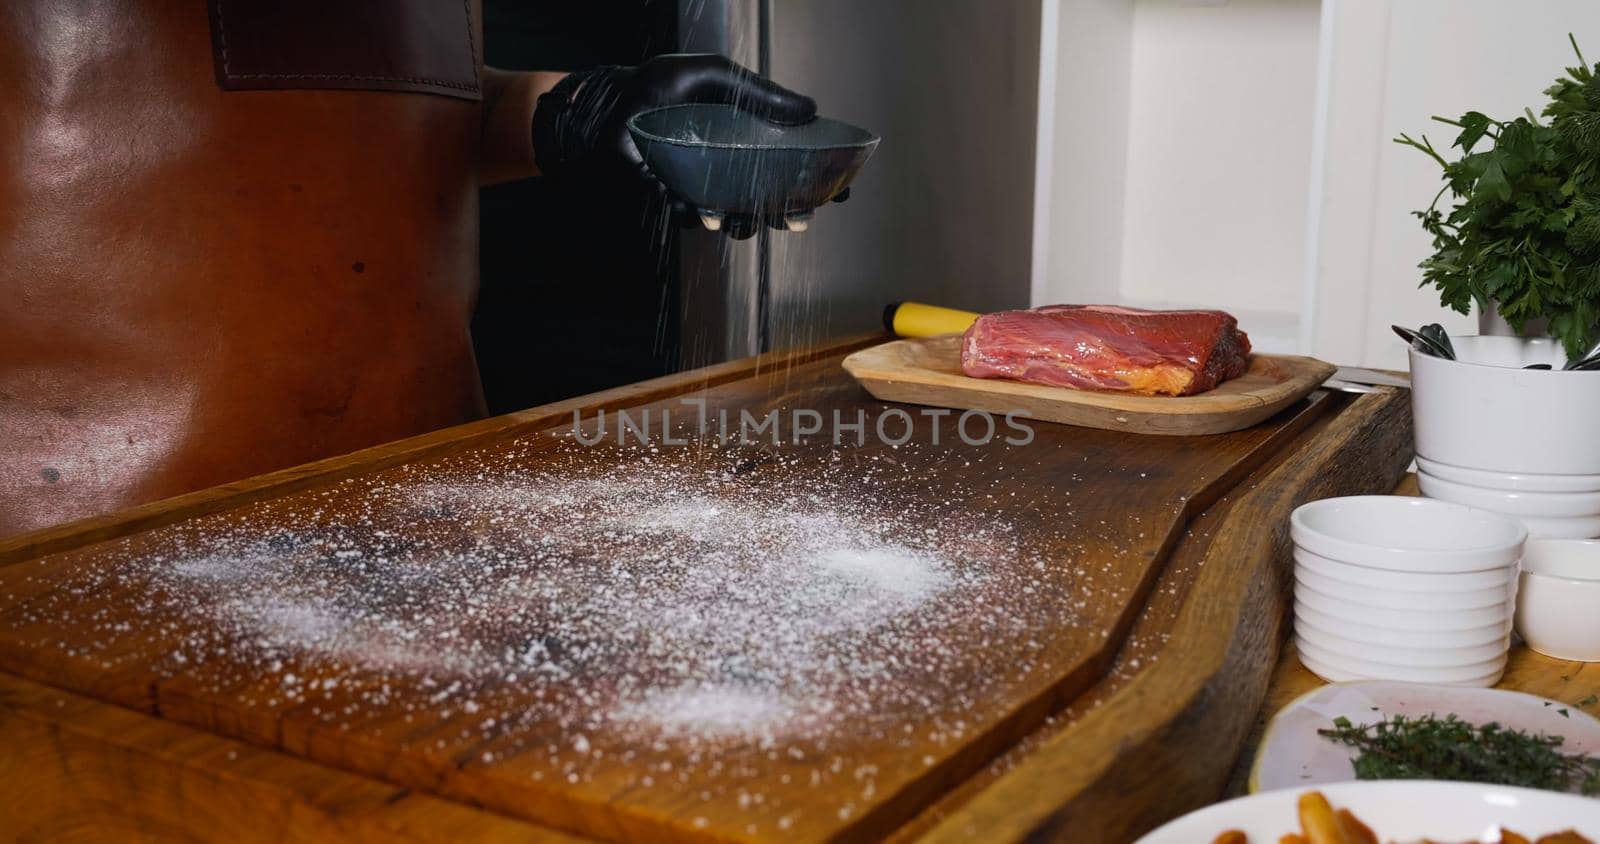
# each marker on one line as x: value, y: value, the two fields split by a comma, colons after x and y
x: 1567, y: 681
x: 1043, y: 730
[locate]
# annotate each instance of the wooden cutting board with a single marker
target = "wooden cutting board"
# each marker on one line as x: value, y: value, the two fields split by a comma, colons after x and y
x: 928, y: 371
x: 492, y: 616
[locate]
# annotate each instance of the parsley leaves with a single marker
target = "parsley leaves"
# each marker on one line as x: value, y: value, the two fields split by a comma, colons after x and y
x: 1525, y: 232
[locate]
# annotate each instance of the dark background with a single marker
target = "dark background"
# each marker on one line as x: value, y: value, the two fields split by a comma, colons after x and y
x: 579, y: 286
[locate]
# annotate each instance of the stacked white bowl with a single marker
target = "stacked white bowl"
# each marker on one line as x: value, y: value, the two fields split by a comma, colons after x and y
x: 1557, y: 597
x: 1396, y: 588
x: 1520, y: 442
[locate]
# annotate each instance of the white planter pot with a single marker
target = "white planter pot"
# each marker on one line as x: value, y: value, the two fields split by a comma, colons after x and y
x: 1485, y: 412
x: 1490, y: 323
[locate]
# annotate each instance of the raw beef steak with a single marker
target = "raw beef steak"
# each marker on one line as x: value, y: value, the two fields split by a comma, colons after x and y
x: 1104, y: 347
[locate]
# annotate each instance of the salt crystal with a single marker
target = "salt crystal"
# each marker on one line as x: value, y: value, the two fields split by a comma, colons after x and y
x: 689, y: 607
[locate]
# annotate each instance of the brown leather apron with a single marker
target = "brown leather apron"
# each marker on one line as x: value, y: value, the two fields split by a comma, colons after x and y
x: 205, y: 283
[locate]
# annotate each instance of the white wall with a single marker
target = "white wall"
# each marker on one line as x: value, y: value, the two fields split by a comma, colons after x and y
x: 1238, y: 153
x: 1181, y: 156
x: 1218, y: 155
x: 1083, y: 152
x: 1397, y: 62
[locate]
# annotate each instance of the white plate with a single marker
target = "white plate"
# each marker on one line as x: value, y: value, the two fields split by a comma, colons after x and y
x: 1292, y: 755
x: 1509, y: 480
x: 1396, y: 810
x: 1514, y: 502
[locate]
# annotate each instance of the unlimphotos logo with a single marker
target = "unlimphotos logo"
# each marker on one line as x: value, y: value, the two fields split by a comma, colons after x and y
x: 893, y: 426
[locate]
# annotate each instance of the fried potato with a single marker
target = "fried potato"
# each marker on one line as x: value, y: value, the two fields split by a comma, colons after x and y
x: 1355, y: 831
x: 1317, y: 820
x: 1321, y: 824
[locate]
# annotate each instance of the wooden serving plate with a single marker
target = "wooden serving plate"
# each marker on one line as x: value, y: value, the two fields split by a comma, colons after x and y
x: 928, y: 371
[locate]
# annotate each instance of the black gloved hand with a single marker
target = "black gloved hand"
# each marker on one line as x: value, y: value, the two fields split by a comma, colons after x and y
x: 580, y: 128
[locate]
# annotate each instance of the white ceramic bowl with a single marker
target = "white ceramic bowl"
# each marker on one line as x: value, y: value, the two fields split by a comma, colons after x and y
x: 1407, y: 534
x: 1410, y: 601
x: 1547, y: 515
x: 1473, y: 674
x: 1371, y: 634
x: 1509, y: 481
x: 1484, y: 411
x: 1571, y: 527
x: 1339, y: 675
x: 1450, y: 621
x: 1558, y: 604
x: 1396, y: 653
x: 1404, y: 581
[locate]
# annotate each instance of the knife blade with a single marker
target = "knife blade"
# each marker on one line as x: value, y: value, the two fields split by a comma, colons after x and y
x: 1349, y: 386
x: 1357, y: 375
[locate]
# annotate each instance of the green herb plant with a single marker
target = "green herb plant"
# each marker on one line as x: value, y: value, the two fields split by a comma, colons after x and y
x: 1451, y: 749
x: 1525, y: 231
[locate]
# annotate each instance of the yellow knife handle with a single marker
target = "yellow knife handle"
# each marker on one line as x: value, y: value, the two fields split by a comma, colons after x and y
x: 914, y: 319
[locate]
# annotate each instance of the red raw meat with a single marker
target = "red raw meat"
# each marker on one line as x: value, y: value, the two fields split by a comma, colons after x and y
x: 1104, y: 347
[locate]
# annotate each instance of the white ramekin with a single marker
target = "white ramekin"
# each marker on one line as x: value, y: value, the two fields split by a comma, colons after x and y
x: 1406, y: 534
x: 1558, y: 604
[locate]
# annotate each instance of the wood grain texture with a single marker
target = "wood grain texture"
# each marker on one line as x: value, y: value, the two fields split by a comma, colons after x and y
x: 79, y: 770
x: 1163, y: 741
x: 928, y: 372
x: 437, y: 443
x: 1103, y: 502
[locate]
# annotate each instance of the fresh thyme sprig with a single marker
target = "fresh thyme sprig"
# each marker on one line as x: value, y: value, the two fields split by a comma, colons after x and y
x: 1451, y: 749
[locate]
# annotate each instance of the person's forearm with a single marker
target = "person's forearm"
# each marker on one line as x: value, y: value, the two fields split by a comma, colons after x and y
x: 509, y: 99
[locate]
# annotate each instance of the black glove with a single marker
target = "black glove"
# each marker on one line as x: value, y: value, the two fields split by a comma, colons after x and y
x: 580, y: 128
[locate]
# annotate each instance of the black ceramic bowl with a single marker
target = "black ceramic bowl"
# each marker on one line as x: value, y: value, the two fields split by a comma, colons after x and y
x: 721, y: 159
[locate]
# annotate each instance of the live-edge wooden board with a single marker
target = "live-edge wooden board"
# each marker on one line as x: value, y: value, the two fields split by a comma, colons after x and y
x: 927, y: 371
x: 1126, y: 529
x: 1157, y: 736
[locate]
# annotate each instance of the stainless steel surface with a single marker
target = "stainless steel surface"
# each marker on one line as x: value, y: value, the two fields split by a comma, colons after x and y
x: 1490, y: 322
x: 720, y: 276
x: 943, y: 212
x: 1350, y: 386
x: 1357, y: 375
